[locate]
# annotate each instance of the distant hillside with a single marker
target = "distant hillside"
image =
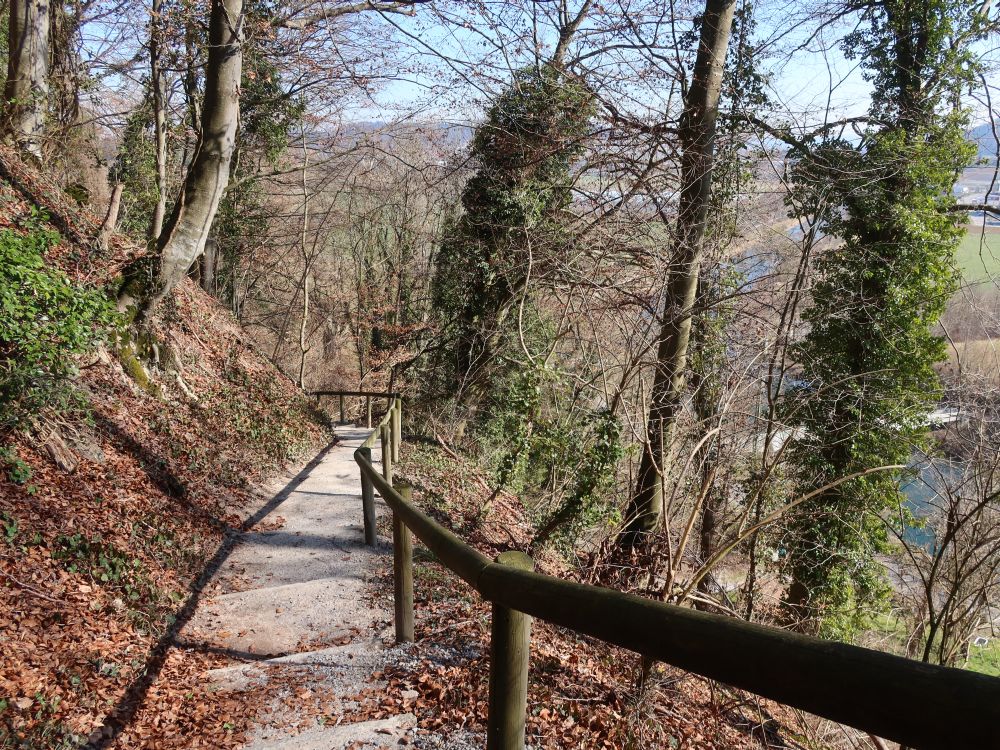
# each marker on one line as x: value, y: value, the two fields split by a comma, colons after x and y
x: 985, y: 140
x: 457, y: 135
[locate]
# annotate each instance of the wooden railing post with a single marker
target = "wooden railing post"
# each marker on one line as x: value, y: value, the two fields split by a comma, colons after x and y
x: 342, y: 420
x: 368, y: 500
x: 510, y: 646
x: 402, y: 572
x: 397, y: 429
x: 368, y: 410
x: 386, y: 435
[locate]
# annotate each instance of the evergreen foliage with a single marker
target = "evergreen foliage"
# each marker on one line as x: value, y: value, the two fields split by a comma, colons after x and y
x: 45, y: 320
x: 869, y: 358
x: 525, y: 150
x: 592, y: 449
x: 135, y: 168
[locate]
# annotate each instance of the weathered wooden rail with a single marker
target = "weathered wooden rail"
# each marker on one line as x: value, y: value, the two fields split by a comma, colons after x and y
x: 366, y: 395
x: 916, y: 704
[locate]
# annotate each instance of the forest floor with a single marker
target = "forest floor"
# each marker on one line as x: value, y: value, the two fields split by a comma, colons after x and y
x: 582, y: 693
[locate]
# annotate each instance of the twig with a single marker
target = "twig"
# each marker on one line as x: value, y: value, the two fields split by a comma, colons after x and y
x: 29, y: 589
x: 451, y: 626
x: 456, y: 457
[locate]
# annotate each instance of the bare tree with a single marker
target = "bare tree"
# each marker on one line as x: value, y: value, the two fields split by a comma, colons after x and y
x: 158, y: 90
x: 953, y: 578
x: 27, y: 88
x: 697, y: 136
x: 183, y: 239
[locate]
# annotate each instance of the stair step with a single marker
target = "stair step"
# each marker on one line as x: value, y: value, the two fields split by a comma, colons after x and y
x: 355, y: 656
x: 276, y: 619
x: 377, y: 733
x: 288, y: 559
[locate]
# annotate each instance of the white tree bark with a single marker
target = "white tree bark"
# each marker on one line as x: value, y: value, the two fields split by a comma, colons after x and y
x: 111, y: 218
x: 159, y: 119
x: 183, y: 238
x: 27, y: 89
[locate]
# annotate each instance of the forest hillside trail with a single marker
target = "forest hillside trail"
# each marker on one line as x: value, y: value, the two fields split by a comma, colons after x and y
x: 292, y: 614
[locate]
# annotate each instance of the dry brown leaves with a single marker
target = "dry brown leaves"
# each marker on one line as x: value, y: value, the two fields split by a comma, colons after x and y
x: 180, y: 712
x: 94, y: 563
x: 22, y: 187
x: 582, y: 693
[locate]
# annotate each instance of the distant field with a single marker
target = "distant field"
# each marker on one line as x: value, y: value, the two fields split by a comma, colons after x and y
x: 980, y: 357
x: 985, y: 659
x: 979, y: 254
x: 889, y: 633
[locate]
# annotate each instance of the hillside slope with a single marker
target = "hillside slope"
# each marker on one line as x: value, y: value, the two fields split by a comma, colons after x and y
x: 109, y: 510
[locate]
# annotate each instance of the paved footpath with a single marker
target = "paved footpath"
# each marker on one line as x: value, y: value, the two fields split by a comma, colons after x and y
x: 292, y: 608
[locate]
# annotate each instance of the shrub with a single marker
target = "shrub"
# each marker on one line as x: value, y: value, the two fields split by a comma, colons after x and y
x: 45, y: 320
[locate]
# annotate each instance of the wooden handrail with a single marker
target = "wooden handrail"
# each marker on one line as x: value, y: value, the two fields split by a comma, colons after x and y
x: 919, y: 705
x: 392, y: 397
x: 372, y: 394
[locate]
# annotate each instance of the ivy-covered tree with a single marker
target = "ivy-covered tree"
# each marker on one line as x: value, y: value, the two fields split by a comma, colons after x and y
x: 511, y: 222
x: 135, y: 168
x: 868, y: 359
x: 537, y: 431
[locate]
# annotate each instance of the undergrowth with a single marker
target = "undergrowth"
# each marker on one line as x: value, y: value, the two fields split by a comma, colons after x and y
x: 46, y: 320
x: 125, y: 578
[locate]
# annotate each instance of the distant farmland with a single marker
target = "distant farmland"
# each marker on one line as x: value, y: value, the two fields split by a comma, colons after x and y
x: 979, y: 254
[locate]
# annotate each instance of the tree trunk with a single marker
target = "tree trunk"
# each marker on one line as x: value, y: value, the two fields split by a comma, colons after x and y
x: 708, y: 536
x: 697, y: 134
x: 64, y: 73
x: 303, y: 329
x: 707, y: 383
x: 183, y: 238
x: 209, y: 262
x: 306, y: 264
x: 110, y: 222
x: 192, y: 64
x: 159, y: 120
x: 27, y: 90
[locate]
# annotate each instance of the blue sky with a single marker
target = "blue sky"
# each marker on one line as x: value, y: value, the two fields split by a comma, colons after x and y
x: 457, y: 69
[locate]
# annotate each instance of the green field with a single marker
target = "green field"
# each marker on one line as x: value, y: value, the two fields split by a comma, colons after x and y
x: 888, y: 633
x: 979, y: 254
x: 985, y: 659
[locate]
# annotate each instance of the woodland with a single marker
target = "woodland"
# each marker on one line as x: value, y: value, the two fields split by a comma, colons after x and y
x: 702, y: 293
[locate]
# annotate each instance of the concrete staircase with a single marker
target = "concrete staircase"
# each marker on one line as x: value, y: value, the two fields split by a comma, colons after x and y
x: 293, y: 612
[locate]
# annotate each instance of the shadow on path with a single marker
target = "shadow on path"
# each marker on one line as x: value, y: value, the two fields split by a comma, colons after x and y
x: 301, y: 540
x: 232, y: 653
x: 124, y: 711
